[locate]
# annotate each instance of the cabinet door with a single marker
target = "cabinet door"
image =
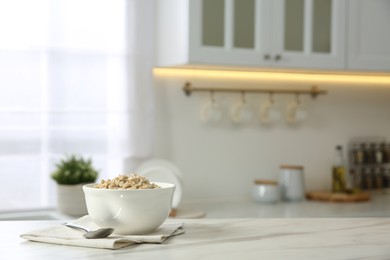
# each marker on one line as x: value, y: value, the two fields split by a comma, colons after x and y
x: 369, y: 35
x: 309, y: 34
x: 229, y: 32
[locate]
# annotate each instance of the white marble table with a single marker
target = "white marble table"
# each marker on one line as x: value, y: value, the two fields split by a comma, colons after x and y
x: 281, y: 238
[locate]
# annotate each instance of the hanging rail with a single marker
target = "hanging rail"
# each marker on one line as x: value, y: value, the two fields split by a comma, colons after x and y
x: 314, y: 91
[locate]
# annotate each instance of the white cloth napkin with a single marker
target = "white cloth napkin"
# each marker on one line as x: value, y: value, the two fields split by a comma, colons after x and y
x: 72, y: 237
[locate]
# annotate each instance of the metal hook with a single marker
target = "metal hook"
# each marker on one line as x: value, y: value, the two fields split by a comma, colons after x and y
x: 297, y: 99
x: 271, y: 98
x: 243, y: 97
x: 212, y: 98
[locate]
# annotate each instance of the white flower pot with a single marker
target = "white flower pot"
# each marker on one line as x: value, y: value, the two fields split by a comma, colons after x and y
x: 71, y: 200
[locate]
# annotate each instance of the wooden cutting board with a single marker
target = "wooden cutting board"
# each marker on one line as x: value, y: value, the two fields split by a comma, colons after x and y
x: 186, y: 213
x: 337, y: 197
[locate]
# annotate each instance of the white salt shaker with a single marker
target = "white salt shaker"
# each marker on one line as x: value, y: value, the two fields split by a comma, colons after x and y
x: 291, y: 182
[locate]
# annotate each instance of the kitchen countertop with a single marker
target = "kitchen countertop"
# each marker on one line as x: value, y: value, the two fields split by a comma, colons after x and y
x: 378, y: 206
x: 249, y: 238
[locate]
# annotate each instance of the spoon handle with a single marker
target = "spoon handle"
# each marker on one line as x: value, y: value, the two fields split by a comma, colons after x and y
x: 72, y: 225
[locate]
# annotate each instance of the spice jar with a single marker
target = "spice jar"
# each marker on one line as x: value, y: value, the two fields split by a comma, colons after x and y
x: 266, y: 191
x: 291, y: 181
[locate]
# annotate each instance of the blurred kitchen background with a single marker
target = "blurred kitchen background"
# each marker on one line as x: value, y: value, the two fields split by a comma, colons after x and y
x: 105, y: 79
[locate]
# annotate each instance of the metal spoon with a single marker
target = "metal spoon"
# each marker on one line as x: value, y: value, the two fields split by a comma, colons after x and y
x: 98, y: 233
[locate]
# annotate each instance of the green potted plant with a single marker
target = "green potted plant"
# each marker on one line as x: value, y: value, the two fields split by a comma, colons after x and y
x: 71, y: 174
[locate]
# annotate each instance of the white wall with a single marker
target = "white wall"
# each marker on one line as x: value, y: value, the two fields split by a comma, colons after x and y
x: 222, y: 160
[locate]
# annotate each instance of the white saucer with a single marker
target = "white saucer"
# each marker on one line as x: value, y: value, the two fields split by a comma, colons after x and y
x: 158, y: 170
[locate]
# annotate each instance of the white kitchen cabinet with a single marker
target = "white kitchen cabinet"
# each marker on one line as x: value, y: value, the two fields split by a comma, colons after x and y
x: 197, y: 32
x: 308, y: 34
x: 369, y: 35
x: 303, y: 34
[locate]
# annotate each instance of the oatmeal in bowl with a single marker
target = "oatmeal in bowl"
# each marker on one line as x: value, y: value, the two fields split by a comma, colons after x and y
x: 132, y: 181
x: 130, y: 204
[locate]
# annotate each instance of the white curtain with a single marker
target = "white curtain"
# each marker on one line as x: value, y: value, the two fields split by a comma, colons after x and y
x: 75, y: 77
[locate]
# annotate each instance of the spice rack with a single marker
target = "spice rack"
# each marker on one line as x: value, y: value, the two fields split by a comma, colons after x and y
x: 369, y: 161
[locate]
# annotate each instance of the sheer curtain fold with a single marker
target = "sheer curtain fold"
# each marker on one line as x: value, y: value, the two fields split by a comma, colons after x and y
x: 75, y: 77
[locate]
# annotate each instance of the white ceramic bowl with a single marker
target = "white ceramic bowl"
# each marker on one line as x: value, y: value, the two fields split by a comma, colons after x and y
x: 129, y: 212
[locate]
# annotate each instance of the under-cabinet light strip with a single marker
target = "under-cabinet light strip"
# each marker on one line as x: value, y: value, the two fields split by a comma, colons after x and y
x: 356, y: 79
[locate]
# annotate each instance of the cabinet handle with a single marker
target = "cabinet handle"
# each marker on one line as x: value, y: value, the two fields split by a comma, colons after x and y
x: 278, y: 57
x: 267, y: 56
